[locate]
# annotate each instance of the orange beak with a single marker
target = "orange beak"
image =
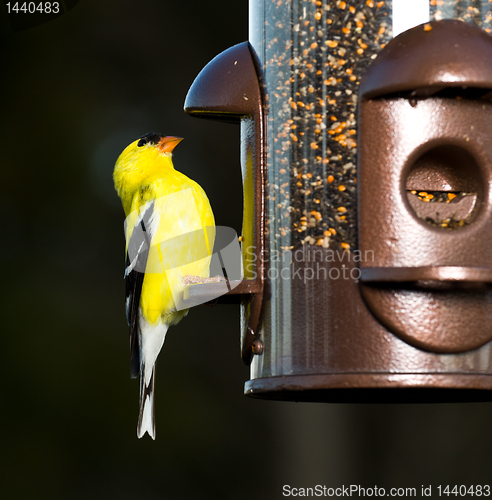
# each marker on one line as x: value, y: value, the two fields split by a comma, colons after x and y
x: 167, y: 144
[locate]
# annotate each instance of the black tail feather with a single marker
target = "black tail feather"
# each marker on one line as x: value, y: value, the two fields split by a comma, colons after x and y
x: 146, y: 398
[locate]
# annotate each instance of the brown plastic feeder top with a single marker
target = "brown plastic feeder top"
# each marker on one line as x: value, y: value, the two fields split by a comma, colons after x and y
x: 449, y: 53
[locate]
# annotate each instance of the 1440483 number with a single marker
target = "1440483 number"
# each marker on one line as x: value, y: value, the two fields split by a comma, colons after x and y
x: 463, y: 490
x: 33, y: 7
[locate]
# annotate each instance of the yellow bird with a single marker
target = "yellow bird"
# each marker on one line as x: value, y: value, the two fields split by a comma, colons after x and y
x: 170, y: 232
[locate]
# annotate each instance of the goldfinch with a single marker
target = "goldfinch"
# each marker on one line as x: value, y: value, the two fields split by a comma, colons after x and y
x: 170, y: 232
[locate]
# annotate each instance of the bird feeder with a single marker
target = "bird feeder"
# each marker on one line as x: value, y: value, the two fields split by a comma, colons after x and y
x: 366, y: 156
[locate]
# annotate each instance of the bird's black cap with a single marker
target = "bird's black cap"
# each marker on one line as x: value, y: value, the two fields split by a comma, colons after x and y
x: 151, y: 138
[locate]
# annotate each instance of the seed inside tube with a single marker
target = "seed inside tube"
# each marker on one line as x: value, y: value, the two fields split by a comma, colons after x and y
x: 313, y: 78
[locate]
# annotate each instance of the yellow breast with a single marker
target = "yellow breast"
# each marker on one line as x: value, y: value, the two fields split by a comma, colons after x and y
x: 182, y: 227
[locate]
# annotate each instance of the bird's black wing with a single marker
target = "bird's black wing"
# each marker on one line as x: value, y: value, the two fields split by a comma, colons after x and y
x: 136, y: 262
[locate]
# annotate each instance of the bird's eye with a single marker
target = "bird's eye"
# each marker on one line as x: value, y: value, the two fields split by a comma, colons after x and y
x: 141, y: 142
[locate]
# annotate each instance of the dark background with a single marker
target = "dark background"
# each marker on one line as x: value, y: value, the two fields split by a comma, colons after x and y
x: 74, y: 92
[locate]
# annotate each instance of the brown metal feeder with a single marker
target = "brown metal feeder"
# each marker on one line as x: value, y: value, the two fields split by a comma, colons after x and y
x: 366, y: 166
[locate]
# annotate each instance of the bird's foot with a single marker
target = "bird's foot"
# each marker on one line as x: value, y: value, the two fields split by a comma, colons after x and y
x: 195, y: 280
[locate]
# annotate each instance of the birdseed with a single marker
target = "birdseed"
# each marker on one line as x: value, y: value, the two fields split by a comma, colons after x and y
x: 312, y: 55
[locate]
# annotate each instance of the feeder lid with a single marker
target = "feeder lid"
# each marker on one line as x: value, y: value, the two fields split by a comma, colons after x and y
x: 431, y: 57
x: 227, y: 88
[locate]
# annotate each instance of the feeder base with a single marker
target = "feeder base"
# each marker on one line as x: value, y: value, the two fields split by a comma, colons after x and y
x: 374, y: 388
